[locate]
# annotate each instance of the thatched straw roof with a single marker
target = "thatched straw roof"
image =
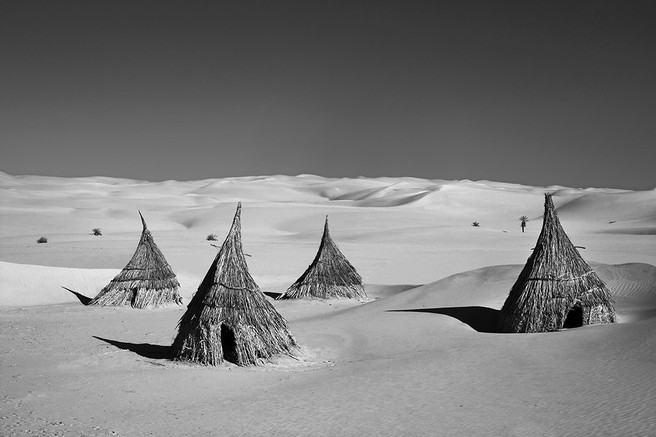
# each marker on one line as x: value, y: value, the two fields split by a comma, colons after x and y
x: 229, y: 318
x: 557, y: 288
x: 330, y: 275
x: 146, y: 281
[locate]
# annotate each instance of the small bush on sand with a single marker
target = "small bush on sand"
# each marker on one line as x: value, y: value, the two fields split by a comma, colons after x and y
x: 96, y: 231
x: 211, y: 237
x: 42, y: 240
x: 476, y: 224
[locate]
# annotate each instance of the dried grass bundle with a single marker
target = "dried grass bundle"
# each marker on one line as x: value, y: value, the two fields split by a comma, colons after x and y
x: 229, y: 318
x: 556, y: 288
x: 330, y: 275
x: 146, y: 281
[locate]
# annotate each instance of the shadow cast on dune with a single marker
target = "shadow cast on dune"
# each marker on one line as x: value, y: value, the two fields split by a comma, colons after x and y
x: 82, y: 298
x: 146, y: 350
x: 480, y: 319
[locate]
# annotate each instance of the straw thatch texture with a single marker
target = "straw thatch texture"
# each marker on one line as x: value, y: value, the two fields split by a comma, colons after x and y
x: 146, y: 281
x: 556, y: 288
x: 330, y: 275
x: 229, y: 318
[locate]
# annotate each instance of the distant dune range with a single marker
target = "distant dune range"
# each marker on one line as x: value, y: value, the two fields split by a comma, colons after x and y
x: 419, y: 357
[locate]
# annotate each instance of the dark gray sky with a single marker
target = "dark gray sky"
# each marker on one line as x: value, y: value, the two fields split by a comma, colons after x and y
x: 534, y: 92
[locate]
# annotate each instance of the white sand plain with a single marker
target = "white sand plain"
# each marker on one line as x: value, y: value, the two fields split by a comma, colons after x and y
x: 413, y: 360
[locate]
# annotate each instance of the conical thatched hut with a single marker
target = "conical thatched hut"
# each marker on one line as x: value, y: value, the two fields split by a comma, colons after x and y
x: 557, y: 288
x: 229, y: 318
x: 146, y: 281
x: 330, y: 275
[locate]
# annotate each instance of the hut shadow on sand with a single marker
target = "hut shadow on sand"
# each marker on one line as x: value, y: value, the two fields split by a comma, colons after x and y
x: 146, y: 350
x: 82, y: 298
x: 272, y: 294
x: 481, y: 319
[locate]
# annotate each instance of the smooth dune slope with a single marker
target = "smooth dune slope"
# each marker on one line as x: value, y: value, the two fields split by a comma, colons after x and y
x: 418, y: 357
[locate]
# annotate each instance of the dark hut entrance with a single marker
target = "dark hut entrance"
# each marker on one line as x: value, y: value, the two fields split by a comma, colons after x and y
x: 228, y: 344
x: 574, y: 317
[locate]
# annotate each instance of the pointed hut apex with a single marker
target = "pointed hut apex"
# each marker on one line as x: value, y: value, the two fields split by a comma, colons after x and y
x: 556, y: 289
x: 234, y: 234
x: 229, y: 318
x: 329, y: 276
x: 236, y: 221
x: 326, y: 231
x: 549, y: 207
x: 146, y: 281
x: 143, y: 222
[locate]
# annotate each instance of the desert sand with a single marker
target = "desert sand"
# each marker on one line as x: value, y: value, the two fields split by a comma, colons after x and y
x: 418, y: 357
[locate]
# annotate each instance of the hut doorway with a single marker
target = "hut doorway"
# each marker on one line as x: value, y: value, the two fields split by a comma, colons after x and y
x: 574, y: 317
x: 228, y: 344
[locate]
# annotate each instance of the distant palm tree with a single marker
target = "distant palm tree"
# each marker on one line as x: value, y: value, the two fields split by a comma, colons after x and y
x: 523, y: 220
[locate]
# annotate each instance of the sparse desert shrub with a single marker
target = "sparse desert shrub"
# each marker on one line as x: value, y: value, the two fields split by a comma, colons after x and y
x: 211, y: 237
x: 476, y: 224
x: 96, y: 231
x: 42, y: 240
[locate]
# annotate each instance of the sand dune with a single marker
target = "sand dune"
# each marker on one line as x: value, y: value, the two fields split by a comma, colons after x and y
x: 634, y: 289
x: 24, y: 284
x: 635, y: 208
x: 419, y: 357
